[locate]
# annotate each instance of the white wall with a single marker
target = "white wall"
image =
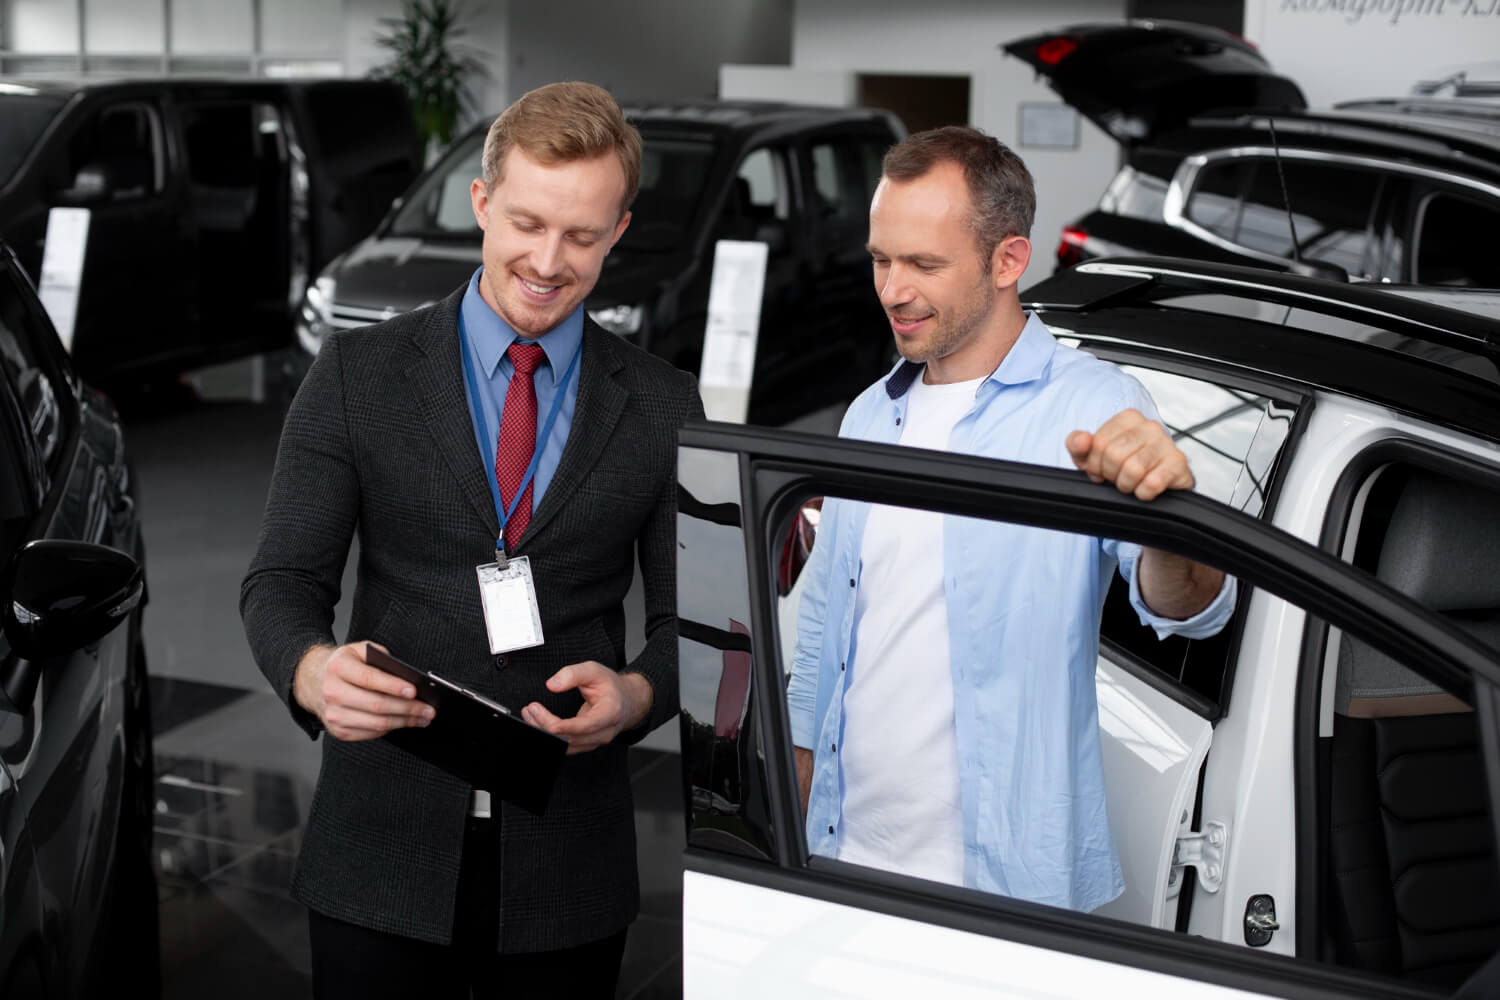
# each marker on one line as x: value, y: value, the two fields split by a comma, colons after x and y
x: 212, y: 27
x: 651, y: 50
x: 945, y: 37
x: 1342, y: 49
x: 42, y: 25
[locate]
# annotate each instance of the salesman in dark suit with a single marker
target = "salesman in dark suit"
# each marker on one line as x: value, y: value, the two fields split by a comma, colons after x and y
x: 418, y: 884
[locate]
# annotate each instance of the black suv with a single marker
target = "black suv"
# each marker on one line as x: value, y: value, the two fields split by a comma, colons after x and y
x: 1400, y: 190
x: 77, y: 893
x: 210, y: 203
x: 797, y: 178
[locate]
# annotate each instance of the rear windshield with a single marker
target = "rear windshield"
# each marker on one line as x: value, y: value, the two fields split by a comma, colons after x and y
x: 673, y: 171
x: 22, y: 121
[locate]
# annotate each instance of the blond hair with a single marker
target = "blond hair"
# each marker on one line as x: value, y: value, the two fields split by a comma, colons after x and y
x: 561, y: 123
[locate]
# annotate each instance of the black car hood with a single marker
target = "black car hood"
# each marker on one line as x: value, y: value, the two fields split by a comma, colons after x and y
x: 397, y: 274
x: 1138, y: 79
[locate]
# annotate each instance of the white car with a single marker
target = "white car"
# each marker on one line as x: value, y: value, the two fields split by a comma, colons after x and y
x: 1303, y: 805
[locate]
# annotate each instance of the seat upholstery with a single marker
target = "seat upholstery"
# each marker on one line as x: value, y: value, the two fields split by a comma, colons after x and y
x: 1414, y: 880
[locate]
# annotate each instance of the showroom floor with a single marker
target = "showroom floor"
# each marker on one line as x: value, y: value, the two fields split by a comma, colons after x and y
x: 235, y: 776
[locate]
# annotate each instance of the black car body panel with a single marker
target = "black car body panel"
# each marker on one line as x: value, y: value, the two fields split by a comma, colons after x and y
x: 210, y: 201
x: 78, y: 897
x: 822, y: 333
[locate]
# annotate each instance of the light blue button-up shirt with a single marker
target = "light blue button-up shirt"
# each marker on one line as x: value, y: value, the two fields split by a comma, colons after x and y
x: 1023, y: 617
x: 489, y: 338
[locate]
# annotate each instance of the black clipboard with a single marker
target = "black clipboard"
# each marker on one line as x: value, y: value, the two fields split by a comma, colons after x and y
x: 476, y: 739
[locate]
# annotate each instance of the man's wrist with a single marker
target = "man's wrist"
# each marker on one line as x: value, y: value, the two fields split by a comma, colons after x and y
x: 307, y: 677
x: 639, y: 698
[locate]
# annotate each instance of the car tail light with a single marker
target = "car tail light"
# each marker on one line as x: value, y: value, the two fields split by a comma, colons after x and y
x: 1070, y: 247
x: 1055, y: 50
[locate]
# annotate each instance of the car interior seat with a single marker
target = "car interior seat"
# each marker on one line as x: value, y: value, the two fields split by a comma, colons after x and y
x: 1413, y: 877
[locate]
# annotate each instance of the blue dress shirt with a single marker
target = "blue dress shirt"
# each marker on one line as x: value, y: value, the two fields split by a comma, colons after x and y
x: 489, y: 338
x: 1023, y: 616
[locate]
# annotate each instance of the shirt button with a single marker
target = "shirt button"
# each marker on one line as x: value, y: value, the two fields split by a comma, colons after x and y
x: 834, y: 747
x: 500, y: 660
x: 830, y: 829
x: 841, y: 666
x: 851, y: 581
x: 898, y: 421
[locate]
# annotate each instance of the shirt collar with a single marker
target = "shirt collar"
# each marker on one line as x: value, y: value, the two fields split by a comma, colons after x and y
x: 490, y: 336
x: 1026, y: 361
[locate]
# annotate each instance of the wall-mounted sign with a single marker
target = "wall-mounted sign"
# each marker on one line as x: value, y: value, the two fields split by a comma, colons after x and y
x: 1048, y: 126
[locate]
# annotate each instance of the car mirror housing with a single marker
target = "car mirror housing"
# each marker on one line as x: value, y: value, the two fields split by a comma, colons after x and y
x: 62, y: 595
x: 91, y: 184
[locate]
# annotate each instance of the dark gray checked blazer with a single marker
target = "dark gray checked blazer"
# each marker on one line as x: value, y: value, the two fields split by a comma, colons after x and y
x: 379, y: 442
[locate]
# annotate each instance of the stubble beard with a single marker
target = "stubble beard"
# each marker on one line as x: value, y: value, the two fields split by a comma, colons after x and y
x: 953, y: 331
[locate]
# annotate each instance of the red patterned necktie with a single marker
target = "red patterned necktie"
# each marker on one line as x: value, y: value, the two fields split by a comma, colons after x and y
x: 518, y: 437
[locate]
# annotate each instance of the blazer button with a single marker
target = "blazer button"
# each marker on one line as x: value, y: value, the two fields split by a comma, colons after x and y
x: 500, y: 660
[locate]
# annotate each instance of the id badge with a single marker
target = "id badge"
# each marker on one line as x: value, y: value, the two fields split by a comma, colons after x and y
x: 511, y: 616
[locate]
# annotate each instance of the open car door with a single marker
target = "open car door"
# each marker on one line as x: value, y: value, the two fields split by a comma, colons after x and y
x: 761, y: 917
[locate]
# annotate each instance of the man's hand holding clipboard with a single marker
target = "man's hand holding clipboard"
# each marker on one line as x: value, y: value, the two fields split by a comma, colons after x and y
x: 475, y: 738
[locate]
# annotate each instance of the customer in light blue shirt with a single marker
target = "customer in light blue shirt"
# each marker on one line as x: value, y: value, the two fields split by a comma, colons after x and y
x: 978, y: 763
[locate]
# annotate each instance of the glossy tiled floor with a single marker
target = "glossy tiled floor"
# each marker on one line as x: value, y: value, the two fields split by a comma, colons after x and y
x: 235, y: 776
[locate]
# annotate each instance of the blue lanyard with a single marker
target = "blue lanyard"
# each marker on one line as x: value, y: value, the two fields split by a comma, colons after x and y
x: 477, y: 408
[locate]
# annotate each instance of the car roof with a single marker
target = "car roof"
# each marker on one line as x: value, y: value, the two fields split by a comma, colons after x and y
x: 1415, y: 128
x: 1432, y: 354
x: 746, y: 114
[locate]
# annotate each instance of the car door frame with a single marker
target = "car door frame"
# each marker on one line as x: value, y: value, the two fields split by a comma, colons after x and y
x: 778, y: 469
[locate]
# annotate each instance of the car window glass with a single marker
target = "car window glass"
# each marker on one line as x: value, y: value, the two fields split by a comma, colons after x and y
x: 761, y: 185
x: 1451, y: 245
x: 1243, y: 202
x: 1232, y: 438
x: 1138, y: 195
x: 674, y: 170
x: 837, y: 191
x: 871, y: 160
x: 440, y: 203
x: 115, y: 155
x: 22, y: 121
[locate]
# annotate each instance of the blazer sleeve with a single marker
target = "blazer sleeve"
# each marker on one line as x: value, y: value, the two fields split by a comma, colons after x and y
x: 288, y: 597
x: 656, y: 548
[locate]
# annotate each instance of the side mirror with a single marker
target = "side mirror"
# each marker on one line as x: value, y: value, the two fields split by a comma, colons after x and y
x: 62, y: 595
x: 91, y: 184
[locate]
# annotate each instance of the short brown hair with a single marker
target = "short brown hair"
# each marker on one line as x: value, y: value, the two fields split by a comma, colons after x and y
x: 561, y: 123
x: 1001, y: 192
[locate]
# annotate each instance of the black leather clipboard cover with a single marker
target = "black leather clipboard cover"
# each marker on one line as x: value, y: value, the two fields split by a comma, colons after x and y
x: 476, y: 739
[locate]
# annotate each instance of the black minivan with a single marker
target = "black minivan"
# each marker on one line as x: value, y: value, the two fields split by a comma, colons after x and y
x: 798, y: 178
x: 210, y: 203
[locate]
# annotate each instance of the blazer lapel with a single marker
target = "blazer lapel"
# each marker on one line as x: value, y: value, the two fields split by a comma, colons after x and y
x: 437, y: 389
x: 601, y: 399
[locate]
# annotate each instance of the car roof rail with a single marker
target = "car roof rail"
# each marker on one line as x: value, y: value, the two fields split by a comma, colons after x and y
x: 1121, y: 280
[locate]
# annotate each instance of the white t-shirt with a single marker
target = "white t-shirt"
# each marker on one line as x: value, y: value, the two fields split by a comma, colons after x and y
x: 899, y: 757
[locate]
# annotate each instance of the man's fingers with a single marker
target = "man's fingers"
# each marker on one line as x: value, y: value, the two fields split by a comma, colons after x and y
x: 362, y: 675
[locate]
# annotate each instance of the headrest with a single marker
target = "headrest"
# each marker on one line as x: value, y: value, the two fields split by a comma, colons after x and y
x: 1442, y: 547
